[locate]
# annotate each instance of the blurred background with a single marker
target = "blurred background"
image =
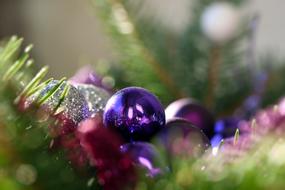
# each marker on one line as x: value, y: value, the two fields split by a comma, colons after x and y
x: 67, y: 34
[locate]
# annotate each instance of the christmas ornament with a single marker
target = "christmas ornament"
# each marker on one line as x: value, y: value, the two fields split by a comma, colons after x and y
x: 192, y: 112
x: 74, y: 106
x: 220, y: 21
x: 183, y: 139
x: 86, y: 76
x: 114, y: 169
x: 146, y: 156
x: 135, y: 113
x: 95, y: 97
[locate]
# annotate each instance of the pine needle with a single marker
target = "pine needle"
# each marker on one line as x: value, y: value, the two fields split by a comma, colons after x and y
x: 34, y: 82
x: 236, y: 137
x: 51, y: 92
x: 15, y: 67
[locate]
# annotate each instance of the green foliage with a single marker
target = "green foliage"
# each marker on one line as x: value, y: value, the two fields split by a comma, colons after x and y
x: 24, y: 139
x: 275, y: 86
x: 260, y: 168
x: 145, y: 70
x: 184, y: 57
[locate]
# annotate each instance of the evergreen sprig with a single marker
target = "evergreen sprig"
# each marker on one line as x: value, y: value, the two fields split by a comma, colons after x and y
x: 27, y: 159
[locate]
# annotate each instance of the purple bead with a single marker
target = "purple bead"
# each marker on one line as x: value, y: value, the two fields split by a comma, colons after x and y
x: 145, y: 155
x: 192, y: 112
x: 181, y: 138
x: 135, y: 113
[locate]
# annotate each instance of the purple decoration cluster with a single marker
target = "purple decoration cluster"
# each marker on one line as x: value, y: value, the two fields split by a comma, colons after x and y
x: 269, y: 121
x: 134, y: 126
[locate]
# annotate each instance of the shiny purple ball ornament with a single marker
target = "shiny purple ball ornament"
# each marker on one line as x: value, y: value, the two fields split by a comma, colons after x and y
x: 194, y: 113
x: 181, y: 138
x: 135, y: 113
x: 145, y: 156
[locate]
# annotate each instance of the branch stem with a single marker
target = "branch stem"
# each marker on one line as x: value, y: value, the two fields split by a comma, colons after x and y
x: 213, y: 75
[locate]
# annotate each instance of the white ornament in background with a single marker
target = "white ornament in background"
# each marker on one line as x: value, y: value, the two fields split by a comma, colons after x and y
x: 220, y: 21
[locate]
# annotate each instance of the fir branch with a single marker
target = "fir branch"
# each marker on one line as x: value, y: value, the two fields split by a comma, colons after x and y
x: 130, y: 44
x: 32, y: 85
x: 50, y: 92
x: 28, y: 138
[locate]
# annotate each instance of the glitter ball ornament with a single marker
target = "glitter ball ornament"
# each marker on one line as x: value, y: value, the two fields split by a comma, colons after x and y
x: 146, y: 156
x: 74, y: 106
x: 95, y: 97
x: 135, y: 113
x: 192, y: 112
x: 181, y: 138
x: 220, y: 21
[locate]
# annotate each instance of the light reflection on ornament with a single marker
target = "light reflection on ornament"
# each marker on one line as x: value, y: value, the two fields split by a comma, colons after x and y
x: 193, y: 112
x: 130, y: 113
x: 145, y: 155
x: 95, y: 97
x: 135, y: 113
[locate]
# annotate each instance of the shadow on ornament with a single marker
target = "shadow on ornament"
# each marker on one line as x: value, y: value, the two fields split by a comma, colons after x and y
x: 193, y: 112
x: 146, y: 156
x: 181, y: 139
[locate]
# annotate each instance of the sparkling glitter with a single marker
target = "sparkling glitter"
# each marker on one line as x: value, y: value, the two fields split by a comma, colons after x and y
x: 73, y: 107
x: 96, y: 97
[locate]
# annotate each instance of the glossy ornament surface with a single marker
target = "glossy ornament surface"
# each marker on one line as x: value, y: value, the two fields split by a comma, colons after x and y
x: 193, y: 112
x: 135, y: 113
x: 181, y: 138
x: 146, y: 156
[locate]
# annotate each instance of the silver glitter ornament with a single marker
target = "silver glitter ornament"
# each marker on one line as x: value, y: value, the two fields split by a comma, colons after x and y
x: 96, y: 97
x: 73, y: 106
